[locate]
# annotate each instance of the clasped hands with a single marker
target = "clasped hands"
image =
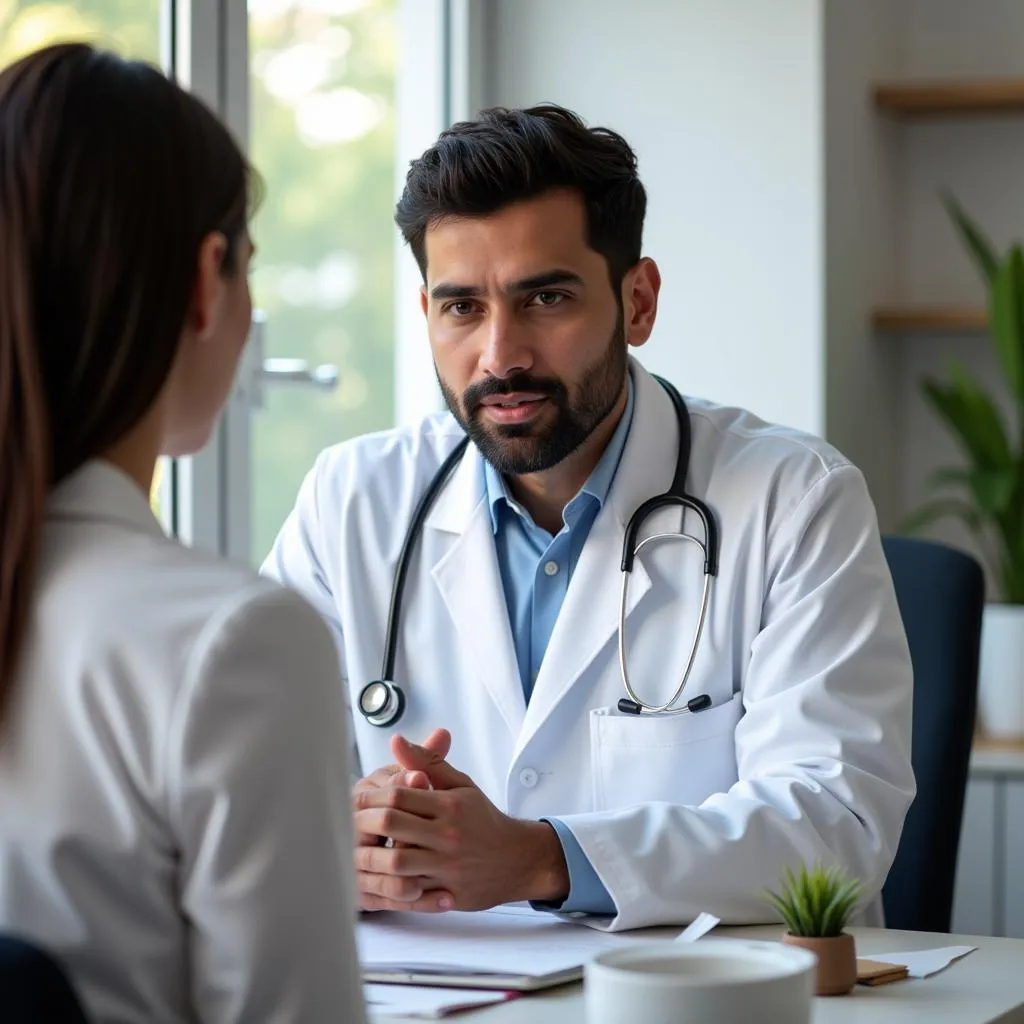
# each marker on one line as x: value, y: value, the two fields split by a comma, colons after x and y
x: 451, y: 848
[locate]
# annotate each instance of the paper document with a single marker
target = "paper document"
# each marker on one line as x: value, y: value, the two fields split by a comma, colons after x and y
x: 485, y: 949
x: 925, y: 962
x: 425, y: 1003
x: 698, y: 927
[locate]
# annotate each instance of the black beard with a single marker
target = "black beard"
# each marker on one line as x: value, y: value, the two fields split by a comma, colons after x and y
x: 518, y: 448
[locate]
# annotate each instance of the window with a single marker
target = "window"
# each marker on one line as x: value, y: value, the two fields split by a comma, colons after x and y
x: 322, y: 136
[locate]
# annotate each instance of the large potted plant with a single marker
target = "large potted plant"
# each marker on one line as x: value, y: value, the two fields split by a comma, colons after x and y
x: 987, y: 493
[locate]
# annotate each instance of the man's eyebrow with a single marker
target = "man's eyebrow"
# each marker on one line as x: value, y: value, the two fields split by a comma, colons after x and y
x: 547, y: 279
x: 454, y: 291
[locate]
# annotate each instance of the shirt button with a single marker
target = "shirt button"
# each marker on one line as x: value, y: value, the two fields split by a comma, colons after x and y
x: 528, y: 777
x: 550, y: 568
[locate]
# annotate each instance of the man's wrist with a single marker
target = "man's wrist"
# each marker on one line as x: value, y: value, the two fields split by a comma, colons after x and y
x: 548, y: 873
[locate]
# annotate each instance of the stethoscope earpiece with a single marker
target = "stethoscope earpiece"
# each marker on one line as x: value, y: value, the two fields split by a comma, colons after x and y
x: 695, y: 704
x: 381, y: 703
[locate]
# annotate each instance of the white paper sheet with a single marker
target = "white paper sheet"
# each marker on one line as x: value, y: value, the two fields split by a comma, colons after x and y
x: 922, y: 963
x: 698, y: 927
x: 499, y: 942
x: 425, y: 1003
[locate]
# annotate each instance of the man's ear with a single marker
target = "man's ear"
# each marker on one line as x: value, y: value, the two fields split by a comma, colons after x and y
x: 424, y: 301
x: 640, y: 288
x: 209, y: 290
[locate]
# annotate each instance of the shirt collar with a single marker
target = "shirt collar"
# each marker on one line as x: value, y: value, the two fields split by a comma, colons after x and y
x: 99, y: 490
x: 597, y: 485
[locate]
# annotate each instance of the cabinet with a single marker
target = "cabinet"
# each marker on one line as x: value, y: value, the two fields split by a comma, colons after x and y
x: 989, y: 894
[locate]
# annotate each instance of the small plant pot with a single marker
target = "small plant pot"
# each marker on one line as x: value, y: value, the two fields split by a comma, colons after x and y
x: 837, y: 962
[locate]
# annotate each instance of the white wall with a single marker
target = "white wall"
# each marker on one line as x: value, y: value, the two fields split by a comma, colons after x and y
x: 783, y: 206
x: 861, y: 46
x: 982, y: 161
x: 722, y: 101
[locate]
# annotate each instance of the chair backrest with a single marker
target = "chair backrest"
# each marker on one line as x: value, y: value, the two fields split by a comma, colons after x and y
x: 941, y: 594
x: 34, y: 987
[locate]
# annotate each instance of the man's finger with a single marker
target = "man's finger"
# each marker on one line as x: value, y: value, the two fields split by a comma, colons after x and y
x: 406, y: 862
x: 395, y: 888
x: 409, y: 829
x: 439, y: 742
x: 422, y: 802
x: 413, y: 757
x: 434, y: 902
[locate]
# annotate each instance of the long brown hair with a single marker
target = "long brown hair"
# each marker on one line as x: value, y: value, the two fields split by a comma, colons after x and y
x: 110, y: 177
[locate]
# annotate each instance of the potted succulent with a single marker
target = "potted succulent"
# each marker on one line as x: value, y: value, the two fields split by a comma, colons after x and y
x: 987, y: 492
x: 815, y: 905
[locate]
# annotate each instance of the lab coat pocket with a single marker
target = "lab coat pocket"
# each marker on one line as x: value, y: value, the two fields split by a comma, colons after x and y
x: 679, y: 759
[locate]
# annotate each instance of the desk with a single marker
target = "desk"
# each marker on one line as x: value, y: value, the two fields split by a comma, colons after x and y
x: 988, y: 985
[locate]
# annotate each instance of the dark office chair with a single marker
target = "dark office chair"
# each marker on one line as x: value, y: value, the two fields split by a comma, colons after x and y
x: 34, y: 987
x: 941, y: 594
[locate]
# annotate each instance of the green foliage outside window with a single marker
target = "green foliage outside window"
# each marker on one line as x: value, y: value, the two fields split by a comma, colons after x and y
x: 323, y: 138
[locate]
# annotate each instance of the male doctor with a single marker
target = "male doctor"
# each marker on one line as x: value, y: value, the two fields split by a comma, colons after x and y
x: 532, y: 784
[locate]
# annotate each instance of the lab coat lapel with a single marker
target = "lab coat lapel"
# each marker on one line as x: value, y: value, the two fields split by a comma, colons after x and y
x: 587, y: 626
x: 469, y: 580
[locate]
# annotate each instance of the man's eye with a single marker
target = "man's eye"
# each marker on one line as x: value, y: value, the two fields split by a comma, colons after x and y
x: 548, y: 298
x: 461, y: 308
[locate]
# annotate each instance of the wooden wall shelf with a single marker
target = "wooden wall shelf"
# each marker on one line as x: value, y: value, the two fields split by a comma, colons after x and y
x: 936, y: 319
x: 950, y: 99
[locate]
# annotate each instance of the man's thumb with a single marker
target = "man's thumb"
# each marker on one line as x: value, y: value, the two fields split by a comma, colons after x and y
x: 413, y: 757
x: 439, y: 742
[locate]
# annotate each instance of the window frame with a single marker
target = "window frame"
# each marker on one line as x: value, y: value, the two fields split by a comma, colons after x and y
x: 206, y: 499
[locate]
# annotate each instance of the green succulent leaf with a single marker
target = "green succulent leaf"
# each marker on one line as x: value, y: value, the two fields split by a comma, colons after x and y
x: 815, y: 902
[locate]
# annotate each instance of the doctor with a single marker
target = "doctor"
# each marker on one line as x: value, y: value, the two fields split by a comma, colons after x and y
x: 534, y: 783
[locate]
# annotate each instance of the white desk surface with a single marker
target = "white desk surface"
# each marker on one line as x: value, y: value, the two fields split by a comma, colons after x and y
x: 987, y: 985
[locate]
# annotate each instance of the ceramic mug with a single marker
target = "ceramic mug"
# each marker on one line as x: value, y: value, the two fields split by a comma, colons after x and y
x: 707, y: 982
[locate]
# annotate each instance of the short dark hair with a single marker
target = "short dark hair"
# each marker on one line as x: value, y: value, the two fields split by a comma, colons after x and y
x: 478, y: 167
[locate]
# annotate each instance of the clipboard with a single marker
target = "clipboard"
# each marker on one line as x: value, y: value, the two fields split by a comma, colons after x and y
x: 437, y: 975
x: 508, y: 949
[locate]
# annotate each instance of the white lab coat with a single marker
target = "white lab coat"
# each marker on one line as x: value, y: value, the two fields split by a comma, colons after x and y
x: 805, y: 753
x: 174, y: 811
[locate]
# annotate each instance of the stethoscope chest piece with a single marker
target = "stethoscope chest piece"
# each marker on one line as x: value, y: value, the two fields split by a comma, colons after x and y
x: 381, y: 703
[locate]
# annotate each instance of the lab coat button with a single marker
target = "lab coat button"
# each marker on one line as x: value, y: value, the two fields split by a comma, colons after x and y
x: 551, y: 568
x: 528, y: 777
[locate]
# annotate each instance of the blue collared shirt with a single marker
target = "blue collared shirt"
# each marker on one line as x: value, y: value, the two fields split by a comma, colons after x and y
x: 535, y: 572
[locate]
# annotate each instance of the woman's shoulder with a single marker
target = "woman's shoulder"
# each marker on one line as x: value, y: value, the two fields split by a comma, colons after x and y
x: 110, y: 596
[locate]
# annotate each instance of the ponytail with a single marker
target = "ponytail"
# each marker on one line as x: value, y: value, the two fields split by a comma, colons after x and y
x: 110, y: 177
x: 24, y: 450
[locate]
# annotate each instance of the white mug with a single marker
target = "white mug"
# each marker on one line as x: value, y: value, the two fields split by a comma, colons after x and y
x: 712, y: 981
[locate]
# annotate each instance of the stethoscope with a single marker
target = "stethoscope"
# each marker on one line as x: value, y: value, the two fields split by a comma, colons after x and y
x: 382, y: 702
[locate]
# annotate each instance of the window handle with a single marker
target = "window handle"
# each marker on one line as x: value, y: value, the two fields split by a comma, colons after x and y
x: 257, y: 371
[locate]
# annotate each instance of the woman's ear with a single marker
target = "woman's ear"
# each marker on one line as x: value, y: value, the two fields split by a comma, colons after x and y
x: 210, y: 286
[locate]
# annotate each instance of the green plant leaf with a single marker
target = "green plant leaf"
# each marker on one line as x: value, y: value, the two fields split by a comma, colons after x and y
x: 1006, y: 318
x: 973, y: 417
x: 816, y: 902
x: 980, y: 247
x: 785, y: 911
x: 941, y: 508
x: 993, y: 489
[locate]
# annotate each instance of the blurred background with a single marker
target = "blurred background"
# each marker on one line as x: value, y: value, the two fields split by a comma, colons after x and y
x: 796, y: 155
x: 322, y: 94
